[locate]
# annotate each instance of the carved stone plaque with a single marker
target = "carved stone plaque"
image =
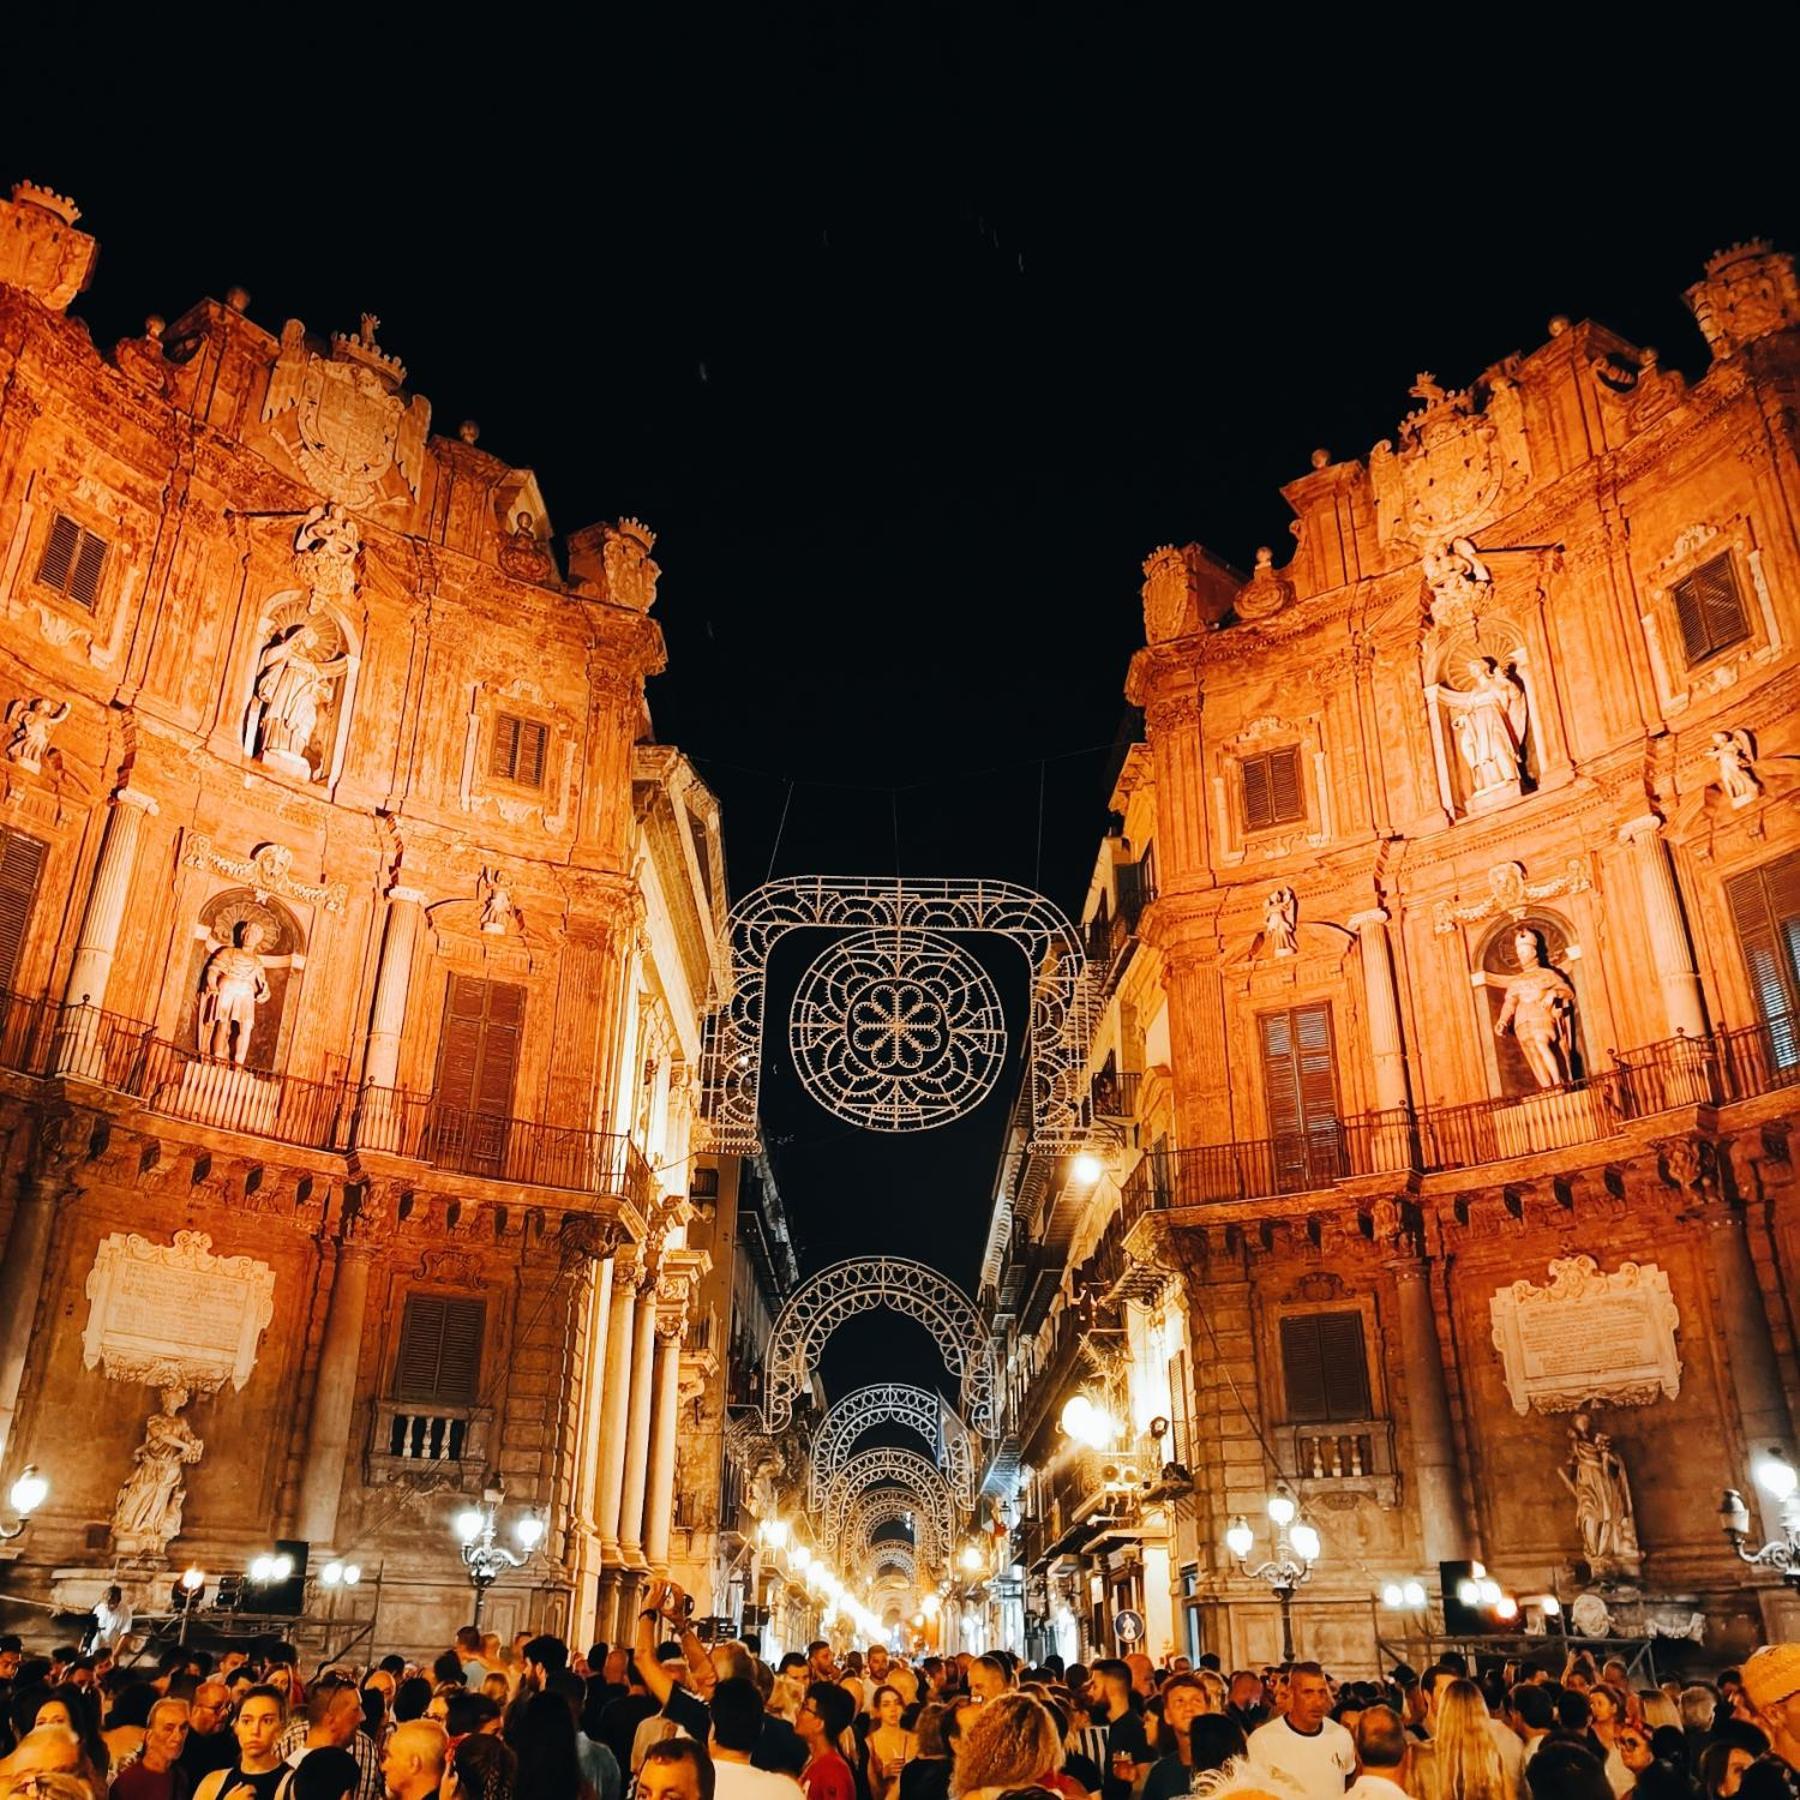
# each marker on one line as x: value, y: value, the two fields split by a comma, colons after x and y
x: 1588, y: 1336
x: 175, y: 1314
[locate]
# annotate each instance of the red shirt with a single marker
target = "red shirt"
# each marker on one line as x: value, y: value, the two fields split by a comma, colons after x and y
x: 828, y: 1777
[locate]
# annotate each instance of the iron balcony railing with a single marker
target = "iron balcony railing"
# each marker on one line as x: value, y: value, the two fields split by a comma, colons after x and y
x: 45, y: 1038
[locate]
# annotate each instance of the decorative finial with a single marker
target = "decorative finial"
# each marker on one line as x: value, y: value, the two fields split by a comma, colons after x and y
x: 468, y: 431
x: 238, y: 299
x: 154, y: 326
x: 1559, y: 324
x: 1321, y: 458
x: 366, y: 330
x: 28, y: 193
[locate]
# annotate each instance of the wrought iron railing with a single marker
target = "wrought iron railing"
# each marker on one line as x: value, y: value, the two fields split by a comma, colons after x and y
x: 1116, y: 1093
x: 44, y: 1038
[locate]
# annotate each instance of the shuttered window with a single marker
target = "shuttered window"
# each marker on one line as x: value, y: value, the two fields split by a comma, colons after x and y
x: 72, y: 562
x: 1710, y: 609
x: 1324, y: 1369
x: 1765, y: 908
x: 478, y: 1057
x: 1300, y: 1082
x: 519, y: 747
x: 1271, y: 789
x: 21, y: 868
x: 440, y: 1350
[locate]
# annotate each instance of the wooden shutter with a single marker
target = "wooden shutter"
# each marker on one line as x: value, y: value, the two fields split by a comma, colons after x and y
x: 59, y: 553
x: 1281, y: 1085
x: 1325, y: 1370
x: 84, y: 583
x: 499, y: 1048
x: 1259, y: 809
x: 529, y: 769
x: 506, y: 746
x: 21, y: 868
x: 1710, y: 609
x: 1286, y: 800
x: 440, y: 1349
x: 478, y: 1049
x: 1300, y: 1083
x: 1765, y: 908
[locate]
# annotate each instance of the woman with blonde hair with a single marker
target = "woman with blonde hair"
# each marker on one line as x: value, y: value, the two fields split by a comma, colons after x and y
x: 1012, y: 1743
x: 1465, y: 1759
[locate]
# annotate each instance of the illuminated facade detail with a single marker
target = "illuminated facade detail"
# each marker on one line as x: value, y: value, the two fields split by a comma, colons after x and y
x: 946, y: 1023
x: 918, y: 1409
x: 887, y: 1465
x: 878, y: 1507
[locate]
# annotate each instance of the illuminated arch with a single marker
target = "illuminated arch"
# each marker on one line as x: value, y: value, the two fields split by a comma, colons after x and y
x: 888, y: 1465
x: 915, y: 1290
x: 891, y: 1557
x: 1063, y: 996
x: 869, y: 1511
x: 918, y: 1409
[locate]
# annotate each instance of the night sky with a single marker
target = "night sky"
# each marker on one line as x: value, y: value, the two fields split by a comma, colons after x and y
x: 912, y: 331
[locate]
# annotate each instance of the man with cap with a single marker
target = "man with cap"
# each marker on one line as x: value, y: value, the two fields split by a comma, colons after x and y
x: 1772, y: 1685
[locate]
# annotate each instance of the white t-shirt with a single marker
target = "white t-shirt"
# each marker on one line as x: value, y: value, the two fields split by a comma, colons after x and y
x: 1318, y: 1763
x: 738, y: 1781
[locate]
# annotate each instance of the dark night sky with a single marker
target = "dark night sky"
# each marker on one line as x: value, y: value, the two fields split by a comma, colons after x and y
x: 911, y: 330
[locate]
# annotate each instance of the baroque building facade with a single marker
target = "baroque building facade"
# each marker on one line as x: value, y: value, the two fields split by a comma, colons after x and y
x: 355, y: 937
x: 1455, y: 1036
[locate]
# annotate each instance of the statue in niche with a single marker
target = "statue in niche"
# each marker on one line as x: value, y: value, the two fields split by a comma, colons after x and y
x: 147, y: 1513
x: 233, y: 985
x: 1595, y: 1476
x: 32, y: 721
x: 1733, y: 751
x: 1281, y: 920
x: 497, y: 911
x: 326, y: 547
x: 1539, y: 1012
x: 294, y: 679
x: 1489, y: 721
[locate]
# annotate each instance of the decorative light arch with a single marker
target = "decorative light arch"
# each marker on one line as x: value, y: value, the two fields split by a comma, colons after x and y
x: 918, y: 913
x: 885, y: 1506
x: 918, y: 1409
x: 892, y: 1555
x: 915, y: 1290
x: 883, y: 1466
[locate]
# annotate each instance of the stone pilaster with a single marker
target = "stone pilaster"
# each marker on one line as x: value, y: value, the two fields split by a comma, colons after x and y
x: 615, y: 1414
x: 380, y: 1125
x: 1671, y: 950
x: 637, y: 1439
x: 659, y: 1499
x: 334, y: 1396
x: 90, y: 974
x: 1443, y: 1529
x: 21, y: 1282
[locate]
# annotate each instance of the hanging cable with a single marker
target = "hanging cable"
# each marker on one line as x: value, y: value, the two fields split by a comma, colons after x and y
x: 775, y: 848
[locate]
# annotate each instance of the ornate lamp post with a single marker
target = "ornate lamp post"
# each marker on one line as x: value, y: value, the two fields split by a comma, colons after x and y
x: 1296, y: 1550
x: 1776, y: 1476
x: 29, y: 1492
x: 485, y: 1559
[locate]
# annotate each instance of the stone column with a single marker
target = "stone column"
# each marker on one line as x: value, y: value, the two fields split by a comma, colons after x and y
x: 91, y: 972
x: 637, y: 1439
x: 589, y: 1555
x: 615, y: 1411
x: 379, y: 1128
x: 659, y: 1499
x: 1671, y: 949
x: 334, y: 1397
x: 1442, y: 1525
x: 1392, y: 1149
x: 21, y: 1282
x: 1750, y: 1351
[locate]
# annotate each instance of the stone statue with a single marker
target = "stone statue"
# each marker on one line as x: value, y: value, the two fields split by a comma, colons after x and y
x: 496, y: 904
x: 1736, y: 757
x: 147, y: 1513
x: 1595, y: 1476
x: 233, y: 985
x: 32, y: 721
x: 293, y: 680
x: 1456, y: 576
x: 1281, y: 920
x: 326, y: 547
x: 1539, y: 1011
x: 1490, y: 721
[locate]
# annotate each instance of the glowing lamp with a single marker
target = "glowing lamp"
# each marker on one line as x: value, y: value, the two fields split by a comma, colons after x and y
x: 1087, y: 1168
x: 1282, y: 1509
x: 263, y: 1568
x: 352, y: 1574
x: 1305, y: 1540
x: 29, y: 1492
x: 802, y: 1557
x: 332, y: 1574
x: 971, y: 1558
x: 530, y: 1533
x: 1489, y: 1590
x: 1776, y: 1476
x: 931, y: 1603
x: 1413, y: 1593
x: 1552, y: 1607
x: 1467, y: 1592
x: 1391, y: 1595
x: 1506, y: 1607
x: 1239, y: 1538
x: 774, y: 1533
x: 193, y: 1580
x: 468, y: 1524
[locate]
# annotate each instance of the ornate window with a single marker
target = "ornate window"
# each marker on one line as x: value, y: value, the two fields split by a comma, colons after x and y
x: 1765, y: 908
x: 21, y: 869
x: 73, y: 561
x: 520, y: 747
x: 1324, y: 1367
x: 1709, y: 607
x: 1300, y: 1085
x: 1270, y: 789
x: 439, y: 1359
x: 478, y: 1060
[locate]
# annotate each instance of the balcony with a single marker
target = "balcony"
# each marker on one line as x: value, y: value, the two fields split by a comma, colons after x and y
x: 1113, y: 930
x: 1116, y: 1093
x: 1349, y: 1456
x: 48, y: 1039
x: 1717, y: 1070
x: 433, y: 1446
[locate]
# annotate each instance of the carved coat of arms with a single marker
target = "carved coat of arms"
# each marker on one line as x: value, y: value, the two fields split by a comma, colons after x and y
x: 1455, y: 463
x: 350, y: 428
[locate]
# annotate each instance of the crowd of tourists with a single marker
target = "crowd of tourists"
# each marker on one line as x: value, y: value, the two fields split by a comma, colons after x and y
x: 669, y: 1717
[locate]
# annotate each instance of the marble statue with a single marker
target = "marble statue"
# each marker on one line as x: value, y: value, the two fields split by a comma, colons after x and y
x: 147, y: 1513
x: 1456, y: 575
x: 1489, y: 720
x: 1539, y: 1011
x: 326, y: 547
x: 496, y: 904
x: 1281, y: 920
x: 32, y: 721
x: 233, y: 985
x: 292, y: 681
x: 1595, y: 1476
x: 1736, y: 757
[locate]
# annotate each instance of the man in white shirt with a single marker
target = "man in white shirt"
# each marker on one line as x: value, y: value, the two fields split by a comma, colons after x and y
x: 112, y: 1620
x: 1382, y: 1747
x: 1305, y: 1744
x: 737, y: 1723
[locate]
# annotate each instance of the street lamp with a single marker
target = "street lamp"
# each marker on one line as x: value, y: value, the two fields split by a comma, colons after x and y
x: 485, y: 1559
x: 29, y: 1492
x: 1296, y: 1550
x: 1776, y: 1476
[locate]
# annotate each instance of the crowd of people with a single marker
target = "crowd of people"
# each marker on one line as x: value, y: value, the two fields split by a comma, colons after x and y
x: 670, y: 1717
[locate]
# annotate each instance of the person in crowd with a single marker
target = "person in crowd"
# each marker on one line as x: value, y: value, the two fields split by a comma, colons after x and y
x: 480, y: 1767
x: 413, y: 1767
x: 1382, y: 1752
x: 927, y: 1775
x: 1011, y: 1744
x: 1722, y: 1766
x: 1304, y: 1744
x: 412, y: 1699
x: 825, y: 1715
x: 157, y: 1772
x: 67, y: 1704
x: 1215, y: 1742
x: 48, y: 1761
x: 1128, y: 1758
x: 1566, y: 1768
x: 112, y: 1622
x: 889, y: 1744
x: 737, y: 1726
x: 540, y: 1728
x: 1247, y: 1700
x: 675, y: 1769
x: 1770, y: 1685
x: 1655, y: 1709
x: 257, y: 1772
x: 1184, y: 1699
x: 332, y: 1720
x: 128, y: 1720
x: 326, y: 1773
x: 1084, y: 1745
x: 210, y: 1743
x: 988, y: 1678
